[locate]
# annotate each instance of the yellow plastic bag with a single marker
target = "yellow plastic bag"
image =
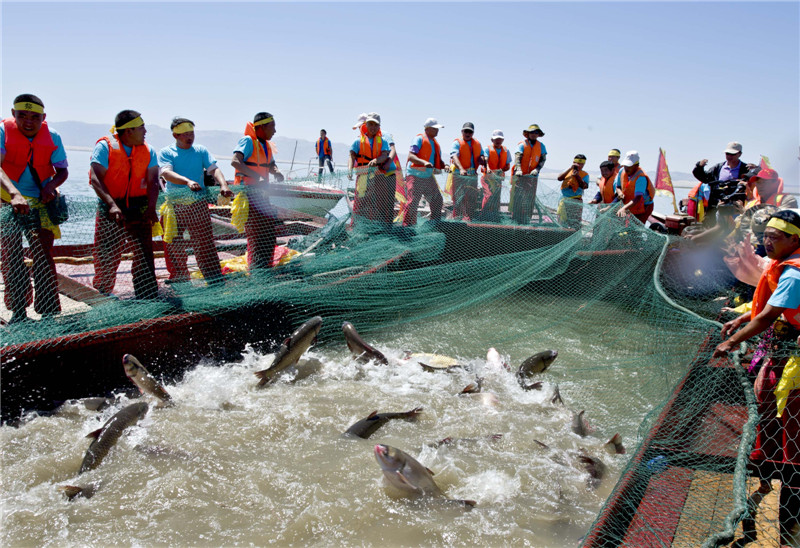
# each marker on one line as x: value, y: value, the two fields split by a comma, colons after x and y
x: 240, y: 208
x: 169, y: 222
x: 790, y: 380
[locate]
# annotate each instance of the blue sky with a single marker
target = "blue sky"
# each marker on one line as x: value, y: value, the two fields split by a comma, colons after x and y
x: 688, y: 77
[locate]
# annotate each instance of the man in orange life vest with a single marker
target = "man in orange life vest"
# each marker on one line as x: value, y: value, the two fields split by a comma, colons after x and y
x: 324, y: 152
x: 606, y: 194
x: 373, y: 162
x: 425, y: 159
x: 124, y: 175
x: 775, y: 313
x: 529, y: 159
x: 254, y: 162
x: 33, y: 163
x: 466, y: 157
x: 574, y: 180
x: 634, y: 188
x: 613, y: 156
x: 768, y: 189
x: 498, y: 161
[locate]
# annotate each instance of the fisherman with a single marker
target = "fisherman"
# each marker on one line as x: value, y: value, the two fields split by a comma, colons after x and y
x: 634, y: 188
x: 768, y: 189
x: 124, y: 175
x: 498, y: 162
x: 253, y: 161
x: 574, y: 180
x: 425, y: 159
x: 370, y: 158
x: 466, y: 156
x: 182, y: 166
x: 528, y: 162
x: 606, y: 194
x: 33, y: 164
x: 613, y: 156
x: 775, y: 315
x: 324, y: 152
x: 709, y: 190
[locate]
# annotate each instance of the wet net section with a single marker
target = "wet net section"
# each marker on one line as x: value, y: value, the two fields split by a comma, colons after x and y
x: 687, y: 483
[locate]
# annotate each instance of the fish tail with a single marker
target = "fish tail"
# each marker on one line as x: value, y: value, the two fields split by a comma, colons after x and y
x: 70, y: 491
x: 264, y: 375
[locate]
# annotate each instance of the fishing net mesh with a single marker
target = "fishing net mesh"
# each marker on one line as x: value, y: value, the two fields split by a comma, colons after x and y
x: 688, y: 480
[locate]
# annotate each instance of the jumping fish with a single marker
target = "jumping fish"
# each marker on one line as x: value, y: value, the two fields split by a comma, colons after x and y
x: 538, y: 363
x: 579, y: 425
x: 556, y: 396
x: 291, y: 350
x: 362, y: 351
x: 406, y: 474
x: 144, y: 381
x: 494, y: 359
x: 368, y: 426
x: 614, y: 445
x: 473, y: 387
x: 107, y: 436
x: 595, y: 468
x: 431, y: 362
x: 459, y: 441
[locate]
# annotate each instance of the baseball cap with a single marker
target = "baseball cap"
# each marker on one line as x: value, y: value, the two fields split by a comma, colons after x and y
x: 766, y: 173
x: 373, y: 117
x: 361, y: 119
x: 497, y: 134
x: 733, y: 148
x: 631, y: 158
x: 468, y: 125
x: 433, y: 122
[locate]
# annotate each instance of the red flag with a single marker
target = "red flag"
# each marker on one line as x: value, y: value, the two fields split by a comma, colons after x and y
x: 764, y: 163
x: 663, y: 180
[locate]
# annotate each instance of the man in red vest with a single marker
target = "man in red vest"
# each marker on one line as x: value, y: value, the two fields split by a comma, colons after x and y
x: 33, y: 164
x: 124, y: 175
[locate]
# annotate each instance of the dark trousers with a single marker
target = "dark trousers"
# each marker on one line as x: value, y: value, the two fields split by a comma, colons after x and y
x: 465, y: 196
x: 195, y: 218
x: 325, y: 160
x: 109, y: 241
x: 377, y: 203
x: 19, y: 293
x: 416, y: 188
x: 260, y: 230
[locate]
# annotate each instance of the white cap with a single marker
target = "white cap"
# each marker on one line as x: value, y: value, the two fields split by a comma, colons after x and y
x: 433, y: 122
x: 373, y: 117
x: 361, y: 119
x: 733, y: 148
x: 631, y: 158
x: 497, y: 134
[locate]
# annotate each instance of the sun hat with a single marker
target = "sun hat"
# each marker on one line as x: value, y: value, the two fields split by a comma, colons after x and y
x: 361, y: 119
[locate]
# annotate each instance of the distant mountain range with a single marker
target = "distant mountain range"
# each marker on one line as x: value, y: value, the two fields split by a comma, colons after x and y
x: 80, y: 135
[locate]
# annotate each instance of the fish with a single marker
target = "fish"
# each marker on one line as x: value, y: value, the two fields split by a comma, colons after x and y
x: 368, y: 426
x: 362, y: 351
x: 107, y: 436
x: 579, y: 425
x: 538, y: 363
x: 494, y: 359
x: 144, y: 381
x: 431, y: 362
x: 407, y: 475
x: 614, y: 445
x: 459, y: 441
x: 75, y: 491
x: 433, y: 368
x: 556, y: 396
x: 97, y: 404
x: 532, y: 386
x: 595, y: 468
x: 291, y: 350
x: 473, y: 387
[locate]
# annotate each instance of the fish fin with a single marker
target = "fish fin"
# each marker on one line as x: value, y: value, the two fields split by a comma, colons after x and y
x: 534, y: 386
x: 412, y: 415
x: 405, y: 481
x: 264, y: 375
x: 95, y: 434
x: 444, y: 441
x: 495, y: 437
x: 540, y: 444
x: 372, y: 415
x: 465, y: 503
x: 426, y: 367
x: 430, y: 471
x: 70, y: 491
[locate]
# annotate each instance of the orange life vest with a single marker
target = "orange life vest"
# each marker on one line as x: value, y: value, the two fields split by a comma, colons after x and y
x: 366, y: 153
x: 468, y: 156
x: 572, y: 181
x: 325, y: 145
x: 530, y: 156
x: 766, y: 286
x: 776, y: 199
x: 425, y: 152
x: 607, y: 189
x: 693, y: 207
x: 260, y: 160
x: 629, y: 188
x: 20, y: 151
x: 497, y: 161
x: 126, y: 176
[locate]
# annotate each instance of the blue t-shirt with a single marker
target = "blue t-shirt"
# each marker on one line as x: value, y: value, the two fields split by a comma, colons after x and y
x: 639, y: 190
x: 245, y: 146
x: 26, y: 185
x: 188, y: 162
x: 787, y: 293
x: 425, y: 171
x: 100, y: 154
